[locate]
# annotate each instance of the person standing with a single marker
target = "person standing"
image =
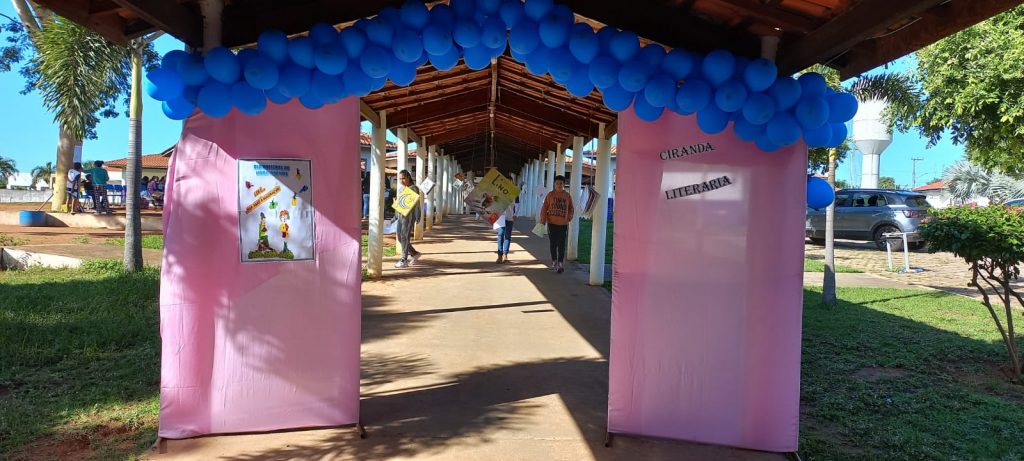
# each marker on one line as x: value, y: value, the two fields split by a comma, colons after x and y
x: 407, y: 222
x: 505, y: 232
x: 99, y: 188
x: 556, y: 212
x: 73, y: 183
x: 366, y: 189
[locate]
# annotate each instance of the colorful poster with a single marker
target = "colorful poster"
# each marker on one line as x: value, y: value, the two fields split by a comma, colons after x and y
x: 406, y: 201
x: 275, y: 210
x: 494, y: 193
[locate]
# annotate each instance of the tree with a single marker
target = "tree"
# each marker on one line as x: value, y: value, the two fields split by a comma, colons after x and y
x: 973, y: 88
x: 7, y: 169
x: 887, y: 182
x: 44, y: 173
x: 840, y: 184
x: 967, y: 181
x: 133, y: 172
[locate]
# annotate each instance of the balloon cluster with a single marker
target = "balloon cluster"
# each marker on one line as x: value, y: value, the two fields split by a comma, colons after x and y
x: 326, y: 65
x: 819, y: 193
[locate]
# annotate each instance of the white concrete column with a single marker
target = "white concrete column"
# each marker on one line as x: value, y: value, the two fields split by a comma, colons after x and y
x: 603, y: 184
x: 421, y: 174
x: 575, y: 181
x: 439, y: 211
x: 551, y: 171
x: 375, y: 239
x: 403, y: 155
x: 537, y: 181
x: 560, y: 161
x: 431, y: 175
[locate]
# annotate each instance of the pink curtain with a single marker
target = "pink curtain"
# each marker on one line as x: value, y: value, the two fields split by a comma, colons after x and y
x: 271, y: 345
x: 707, y: 297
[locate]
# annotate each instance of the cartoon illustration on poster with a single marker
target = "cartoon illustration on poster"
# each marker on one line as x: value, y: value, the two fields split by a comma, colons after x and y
x: 494, y: 193
x: 275, y: 210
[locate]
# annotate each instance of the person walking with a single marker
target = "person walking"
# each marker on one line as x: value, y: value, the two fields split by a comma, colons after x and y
x: 99, y: 188
x: 407, y: 222
x: 505, y: 232
x: 365, y: 177
x: 73, y: 183
x: 556, y: 213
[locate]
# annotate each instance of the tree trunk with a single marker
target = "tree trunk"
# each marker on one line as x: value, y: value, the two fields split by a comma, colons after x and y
x: 133, y: 173
x: 828, y: 285
x: 65, y: 158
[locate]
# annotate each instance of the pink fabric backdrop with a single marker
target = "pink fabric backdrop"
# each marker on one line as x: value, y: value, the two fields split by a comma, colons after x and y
x: 707, y: 296
x: 271, y: 345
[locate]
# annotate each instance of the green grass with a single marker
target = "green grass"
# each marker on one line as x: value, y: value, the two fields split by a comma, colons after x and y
x: 10, y: 240
x: 815, y: 265
x: 389, y: 248
x: 155, y: 242
x: 80, y: 358
x: 586, y: 227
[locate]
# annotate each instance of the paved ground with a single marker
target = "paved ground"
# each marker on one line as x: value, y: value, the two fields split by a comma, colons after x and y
x: 464, y: 359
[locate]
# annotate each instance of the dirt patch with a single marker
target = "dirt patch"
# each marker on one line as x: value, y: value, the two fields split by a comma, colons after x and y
x: 56, y: 448
x: 828, y: 430
x: 991, y: 379
x: 4, y: 391
x: 872, y: 374
x: 75, y: 443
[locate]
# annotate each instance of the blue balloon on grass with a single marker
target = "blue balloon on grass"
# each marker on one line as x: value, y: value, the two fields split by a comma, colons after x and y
x: 712, y: 120
x: 322, y: 33
x: 718, y: 66
x: 222, y: 65
x: 812, y: 112
x: 786, y: 92
x: 192, y: 70
x: 554, y: 31
x: 247, y: 99
x: 839, y: 133
x: 842, y: 107
x: 583, y: 43
x: 300, y: 50
x: 511, y: 12
x: 164, y: 84
x: 579, y: 84
x: 466, y: 33
x: 561, y: 65
x: 380, y: 32
x: 330, y: 58
x: 633, y: 75
x: 357, y: 82
x: 660, y: 90
x: 328, y: 88
x: 758, y: 109
x: 402, y: 73
x: 414, y: 14
x: 747, y: 131
x: 604, y: 72
x: 812, y: 84
x: 524, y: 37
x: 171, y: 59
x: 678, y: 64
x: 783, y: 129
x: 276, y: 96
x: 375, y: 62
x: 653, y: 54
x: 274, y: 45
x: 354, y: 41
x: 765, y: 143
x: 407, y: 45
x: 616, y: 98
x: 731, y: 96
x: 624, y: 45
x: 437, y: 40
x: 178, y: 108
x: 493, y: 33
x: 819, y: 193
x: 538, y: 61
x: 215, y: 99
x: 311, y: 101
x: 693, y: 96
x: 261, y: 72
x: 294, y: 80
x: 760, y: 74
x: 818, y: 137
x: 646, y: 112
x: 537, y: 9
x: 477, y: 57
x: 447, y: 60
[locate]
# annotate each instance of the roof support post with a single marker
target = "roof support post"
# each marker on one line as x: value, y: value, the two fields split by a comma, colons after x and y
x: 603, y: 181
x: 432, y: 196
x: 421, y: 174
x: 212, y: 24
x: 375, y: 237
x: 442, y: 184
x: 551, y: 171
x: 559, y: 160
x: 538, y: 184
x: 575, y: 189
x: 769, y: 47
x: 402, y: 156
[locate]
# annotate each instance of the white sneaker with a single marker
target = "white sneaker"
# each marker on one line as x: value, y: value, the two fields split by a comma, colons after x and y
x: 414, y: 258
x: 554, y: 266
x: 401, y: 264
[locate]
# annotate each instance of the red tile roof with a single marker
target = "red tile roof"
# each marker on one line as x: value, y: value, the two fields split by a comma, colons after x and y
x: 937, y: 185
x: 366, y: 139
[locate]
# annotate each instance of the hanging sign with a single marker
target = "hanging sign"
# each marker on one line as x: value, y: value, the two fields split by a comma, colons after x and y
x: 494, y: 193
x: 275, y: 210
x: 406, y: 201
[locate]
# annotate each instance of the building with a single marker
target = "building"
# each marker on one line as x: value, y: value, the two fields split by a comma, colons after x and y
x: 938, y: 196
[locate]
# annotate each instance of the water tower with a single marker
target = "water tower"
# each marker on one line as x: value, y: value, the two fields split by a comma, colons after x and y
x: 872, y: 136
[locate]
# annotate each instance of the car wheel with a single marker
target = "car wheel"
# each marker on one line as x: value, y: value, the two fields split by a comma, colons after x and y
x: 879, y: 240
x: 817, y: 241
x: 915, y: 246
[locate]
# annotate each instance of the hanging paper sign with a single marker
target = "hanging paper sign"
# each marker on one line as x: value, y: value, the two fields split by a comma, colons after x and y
x: 494, y: 193
x: 406, y: 201
x: 427, y: 186
x: 588, y: 208
x: 275, y: 210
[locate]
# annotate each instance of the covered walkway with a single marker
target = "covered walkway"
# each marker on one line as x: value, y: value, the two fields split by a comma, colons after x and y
x: 466, y: 359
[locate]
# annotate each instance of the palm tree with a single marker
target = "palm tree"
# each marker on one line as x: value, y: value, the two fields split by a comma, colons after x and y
x: 7, y: 169
x: 44, y: 173
x: 967, y: 181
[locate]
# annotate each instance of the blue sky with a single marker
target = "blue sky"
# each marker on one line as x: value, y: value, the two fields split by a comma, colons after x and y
x: 29, y: 136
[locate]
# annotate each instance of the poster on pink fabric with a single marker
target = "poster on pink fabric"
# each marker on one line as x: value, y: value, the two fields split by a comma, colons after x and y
x: 274, y: 345
x: 708, y: 286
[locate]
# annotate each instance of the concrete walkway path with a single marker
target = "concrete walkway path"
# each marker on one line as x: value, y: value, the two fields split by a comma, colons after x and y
x: 466, y: 359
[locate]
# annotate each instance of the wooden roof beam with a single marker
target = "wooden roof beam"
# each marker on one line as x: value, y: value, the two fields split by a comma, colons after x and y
x: 368, y: 113
x: 788, y: 22
x: 170, y: 16
x: 244, y: 21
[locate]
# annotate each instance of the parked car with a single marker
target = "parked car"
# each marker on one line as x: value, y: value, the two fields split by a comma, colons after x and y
x: 1015, y: 202
x: 868, y: 214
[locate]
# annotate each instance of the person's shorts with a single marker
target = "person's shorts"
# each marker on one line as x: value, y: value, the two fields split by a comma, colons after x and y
x: 73, y: 193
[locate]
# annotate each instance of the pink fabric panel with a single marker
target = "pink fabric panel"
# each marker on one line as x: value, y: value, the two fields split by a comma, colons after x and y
x: 707, y: 296
x: 271, y: 345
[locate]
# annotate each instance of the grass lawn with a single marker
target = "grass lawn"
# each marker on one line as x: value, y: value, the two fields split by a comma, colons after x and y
x: 389, y: 247
x: 817, y: 265
x: 586, y: 227
x: 155, y: 242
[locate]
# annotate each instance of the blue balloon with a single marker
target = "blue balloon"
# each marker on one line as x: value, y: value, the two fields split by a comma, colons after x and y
x: 524, y: 37
x: 380, y: 32
x: 758, y: 109
x: 164, y: 84
x: 327, y: 88
x: 191, y: 94
x: 294, y: 80
x: 215, y: 99
x: 437, y: 40
x: 783, y: 129
x: 311, y: 101
x: 356, y: 81
x: 819, y: 193
x: 192, y: 70
x: 538, y: 61
x: 786, y: 92
x: 463, y: 9
x: 300, y: 49
x: 407, y: 45
x: 579, y: 84
x: 765, y: 143
x: 442, y: 15
x: 747, y: 131
x: 760, y: 74
x: 330, y: 58
x: 561, y: 65
x: 653, y: 54
x: 712, y: 120
x: 414, y: 14
x: 446, y: 61
x: 493, y: 33
x: 604, y: 72
x: 604, y: 38
x: 172, y: 58
x: 497, y: 52
x: 466, y: 33
x: 624, y: 45
x: 616, y: 98
x: 488, y: 7
x: 660, y: 90
x: 839, y: 134
x: 693, y: 96
x: 842, y: 107
x: 511, y: 12
x: 731, y: 96
x: 247, y: 99
x: 245, y: 55
x: 261, y: 72
x: 537, y: 9
x: 323, y: 33
x: 222, y: 65
x: 645, y: 111
x: 812, y: 112
x: 274, y: 45
x: 375, y: 62
x: 554, y: 31
x: 678, y: 64
x: 276, y: 96
x: 519, y: 57
x: 818, y: 137
x: 812, y: 84
x: 354, y: 41
x: 583, y: 43
x: 633, y: 75
x: 378, y: 83
x: 477, y: 57
x: 718, y: 66
x: 391, y: 15
x: 562, y: 11
x: 178, y: 108
x: 402, y: 73
x: 740, y: 69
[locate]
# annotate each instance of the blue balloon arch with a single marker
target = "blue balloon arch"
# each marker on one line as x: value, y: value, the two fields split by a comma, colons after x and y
x: 326, y: 65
